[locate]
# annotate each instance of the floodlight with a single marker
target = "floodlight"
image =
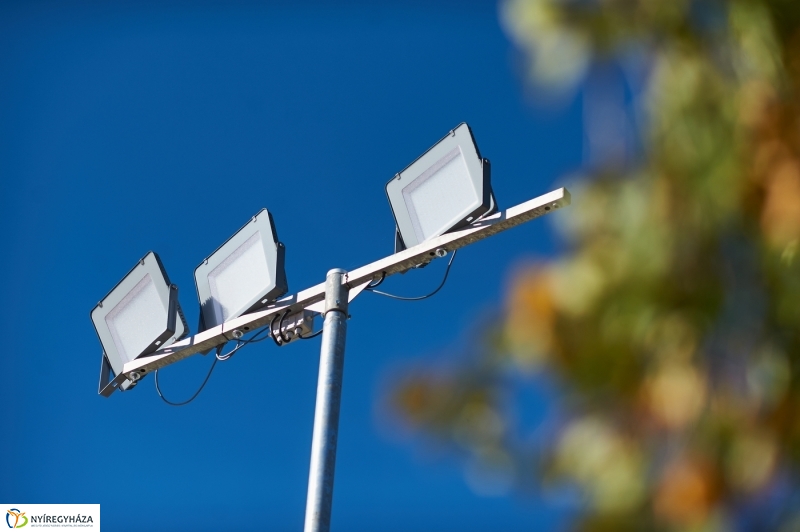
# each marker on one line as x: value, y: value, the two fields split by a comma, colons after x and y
x: 243, y: 274
x: 139, y: 315
x: 446, y: 188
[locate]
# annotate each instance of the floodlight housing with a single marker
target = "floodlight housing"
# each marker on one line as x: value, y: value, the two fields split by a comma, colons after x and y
x: 243, y: 274
x: 138, y: 316
x: 446, y: 188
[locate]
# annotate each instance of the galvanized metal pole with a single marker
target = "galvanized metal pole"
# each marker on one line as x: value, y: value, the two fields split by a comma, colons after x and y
x: 326, y: 413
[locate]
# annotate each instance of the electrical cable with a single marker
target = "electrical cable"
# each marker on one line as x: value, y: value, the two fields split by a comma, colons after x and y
x: 284, y: 339
x: 161, y: 395
x: 371, y: 288
x: 272, y: 329
x: 252, y: 339
x: 312, y: 335
x: 218, y: 357
x: 229, y: 354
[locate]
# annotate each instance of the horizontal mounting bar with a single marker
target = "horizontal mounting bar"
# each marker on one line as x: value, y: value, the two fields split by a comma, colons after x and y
x: 397, y: 263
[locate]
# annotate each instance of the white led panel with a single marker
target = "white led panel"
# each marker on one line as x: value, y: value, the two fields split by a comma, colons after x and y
x: 243, y: 275
x: 137, y: 319
x: 138, y: 316
x: 441, y: 197
x: 447, y: 187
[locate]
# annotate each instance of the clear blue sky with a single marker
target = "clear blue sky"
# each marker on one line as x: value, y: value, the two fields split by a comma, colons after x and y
x: 164, y: 126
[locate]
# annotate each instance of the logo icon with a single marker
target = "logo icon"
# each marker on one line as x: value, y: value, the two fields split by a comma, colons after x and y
x: 17, y: 515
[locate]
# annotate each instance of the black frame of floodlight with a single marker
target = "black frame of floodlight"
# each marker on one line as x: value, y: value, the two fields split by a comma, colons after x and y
x: 480, y: 172
x: 266, y: 226
x: 108, y: 384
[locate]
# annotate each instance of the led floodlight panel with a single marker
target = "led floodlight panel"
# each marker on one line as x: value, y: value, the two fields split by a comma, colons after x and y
x: 243, y: 274
x: 138, y: 316
x: 446, y: 188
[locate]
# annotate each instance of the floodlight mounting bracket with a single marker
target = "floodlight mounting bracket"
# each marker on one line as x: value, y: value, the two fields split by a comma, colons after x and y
x: 313, y: 298
x: 108, y: 383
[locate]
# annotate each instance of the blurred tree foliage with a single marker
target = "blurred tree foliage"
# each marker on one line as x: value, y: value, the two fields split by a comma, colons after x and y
x: 672, y: 326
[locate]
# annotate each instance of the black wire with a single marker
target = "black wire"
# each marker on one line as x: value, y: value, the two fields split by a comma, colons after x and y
x: 217, y: 358
x: 370, y: 286
x: 418, y: 298
x: 310, y: 336
x: 161, y: 395
x: 272, y: 331
x: 284, y: 340
x: 239, y: 344
x: 252, y: 339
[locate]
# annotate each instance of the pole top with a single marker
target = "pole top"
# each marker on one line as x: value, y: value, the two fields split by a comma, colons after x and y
x: 336, y: 293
